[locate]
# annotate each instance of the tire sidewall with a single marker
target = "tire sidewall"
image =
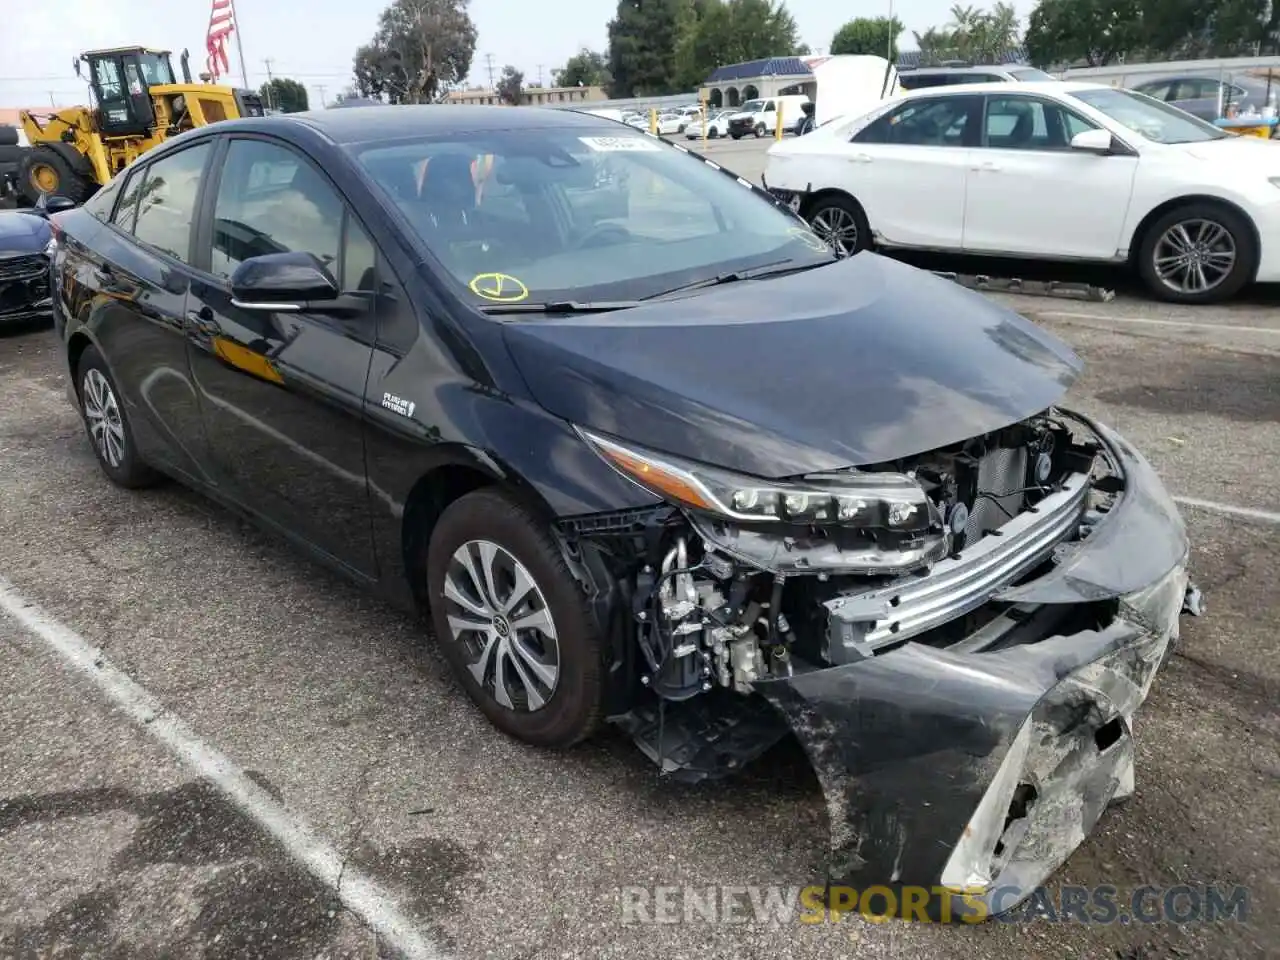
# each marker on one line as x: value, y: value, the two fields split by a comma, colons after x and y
x: 132, y: 471
x: 575, y: 705
x: 1241, y: 232
x: 849, y: 206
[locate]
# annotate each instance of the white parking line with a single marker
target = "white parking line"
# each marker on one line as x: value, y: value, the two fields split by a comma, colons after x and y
x: 358, y: 893
x: 1252, y: 513
x: 1066, y: 315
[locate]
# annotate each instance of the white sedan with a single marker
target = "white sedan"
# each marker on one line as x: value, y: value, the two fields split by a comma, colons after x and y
x: 717, y: 126
x: 1052, y: 171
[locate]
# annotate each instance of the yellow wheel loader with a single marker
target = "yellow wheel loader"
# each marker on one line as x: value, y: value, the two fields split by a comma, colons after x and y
x: 136, y: 105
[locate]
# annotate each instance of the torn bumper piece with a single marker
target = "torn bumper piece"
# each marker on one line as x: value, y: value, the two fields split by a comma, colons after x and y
x: 981, y: 772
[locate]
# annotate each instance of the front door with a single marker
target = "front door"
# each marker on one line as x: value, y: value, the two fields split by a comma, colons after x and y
x: 282, y: 392
x: 1030, y: 194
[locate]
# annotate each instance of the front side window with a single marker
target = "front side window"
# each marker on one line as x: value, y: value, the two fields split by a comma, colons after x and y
x: 167, y: 201
x: 99, y: 206
x: 1029, y: 75
x: 271, y: 200
x: 1023, y: 123
x: 933, y: 122
x: 580, y: 212
x: 1151, y: 119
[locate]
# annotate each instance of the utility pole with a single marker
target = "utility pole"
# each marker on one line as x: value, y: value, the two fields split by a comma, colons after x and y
x: 52, y: 102
x: 270, y: 105
x: 539, y: 74
x: 488, y: 59
x: 320, y: 87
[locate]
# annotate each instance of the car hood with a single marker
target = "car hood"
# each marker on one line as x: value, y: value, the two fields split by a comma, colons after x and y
x: 1243, y: 151
x: 22, y: 233
x: 856, y: 363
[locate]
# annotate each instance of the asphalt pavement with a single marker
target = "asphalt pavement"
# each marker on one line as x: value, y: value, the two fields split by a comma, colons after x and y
x: 210, y: 747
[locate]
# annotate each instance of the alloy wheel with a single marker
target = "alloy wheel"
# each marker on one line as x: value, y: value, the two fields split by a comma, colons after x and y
x: 103, y: 414
x: 1194, y: 256
x: 500, y: 619
x: 838, y: 228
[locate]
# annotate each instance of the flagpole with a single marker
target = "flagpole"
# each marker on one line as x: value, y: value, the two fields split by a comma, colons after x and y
x: 244, y: 67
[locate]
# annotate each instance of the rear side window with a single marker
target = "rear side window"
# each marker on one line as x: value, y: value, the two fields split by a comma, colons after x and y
x: 933, y: 122
x: 166, y: 202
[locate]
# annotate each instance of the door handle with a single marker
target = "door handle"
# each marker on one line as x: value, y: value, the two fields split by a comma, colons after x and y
x: 860, y: 158
x: 987, y: 166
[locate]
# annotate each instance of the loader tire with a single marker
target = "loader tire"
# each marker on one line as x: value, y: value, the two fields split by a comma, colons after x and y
x: 45, y: 170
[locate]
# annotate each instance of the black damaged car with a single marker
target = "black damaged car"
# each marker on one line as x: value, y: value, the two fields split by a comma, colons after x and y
x: 648, y: 454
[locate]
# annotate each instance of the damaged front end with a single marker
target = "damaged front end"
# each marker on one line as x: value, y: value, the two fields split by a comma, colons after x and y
x: 959, y: 640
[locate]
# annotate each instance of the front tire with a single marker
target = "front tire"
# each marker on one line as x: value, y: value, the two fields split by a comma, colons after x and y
x: 107, y: 424
x: 44, y: 170
x: 759, y: 131
x: 841, y: 222
x: 1197, y: 253
x: 513, y: 622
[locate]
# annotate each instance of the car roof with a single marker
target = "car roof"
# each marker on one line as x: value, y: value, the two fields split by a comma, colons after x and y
x: 1050, y: 87
x: 412, y: 120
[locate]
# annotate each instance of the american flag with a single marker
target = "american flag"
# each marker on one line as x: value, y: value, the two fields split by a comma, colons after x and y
x: 221, y: 26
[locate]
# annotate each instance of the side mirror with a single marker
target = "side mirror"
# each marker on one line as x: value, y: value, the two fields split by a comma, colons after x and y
x: 1093, y: 141
x: 49, y: 204
x: 289, y: 281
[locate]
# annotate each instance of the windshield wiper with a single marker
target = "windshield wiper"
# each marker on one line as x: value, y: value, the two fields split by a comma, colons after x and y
x: 561, y: 306
x: 768, y: 269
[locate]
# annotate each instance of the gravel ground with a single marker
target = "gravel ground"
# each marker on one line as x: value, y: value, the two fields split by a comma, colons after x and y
x: 344, y: 717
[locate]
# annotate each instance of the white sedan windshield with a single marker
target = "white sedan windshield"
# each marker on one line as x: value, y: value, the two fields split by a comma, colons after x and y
x: 582, y: 212
x: 1149, y: 118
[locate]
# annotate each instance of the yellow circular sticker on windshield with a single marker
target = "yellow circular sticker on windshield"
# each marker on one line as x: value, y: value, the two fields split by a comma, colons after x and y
x: 498, y: 287
x: 809, y: 239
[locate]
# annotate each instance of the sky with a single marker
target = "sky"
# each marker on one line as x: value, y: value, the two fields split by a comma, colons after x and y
x: 313, y: 41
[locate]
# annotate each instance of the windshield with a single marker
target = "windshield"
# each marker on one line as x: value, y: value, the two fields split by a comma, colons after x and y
x: 752, y: 106
x: 1156, y: 121
x: 581, y: 213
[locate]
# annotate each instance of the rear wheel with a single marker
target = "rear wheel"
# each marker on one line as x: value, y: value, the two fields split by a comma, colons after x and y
x: 44, y: 170
x: 840, y: 221
x: 1197, y: 253
x: 107, y: 423
x: 513, y: 622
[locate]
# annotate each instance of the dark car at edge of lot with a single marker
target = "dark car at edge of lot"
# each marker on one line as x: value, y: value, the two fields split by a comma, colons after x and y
x: 647, y: 453
x: 24, y: 267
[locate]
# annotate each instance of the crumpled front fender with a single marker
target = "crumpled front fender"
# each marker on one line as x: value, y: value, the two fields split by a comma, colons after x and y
x: 984, y: 771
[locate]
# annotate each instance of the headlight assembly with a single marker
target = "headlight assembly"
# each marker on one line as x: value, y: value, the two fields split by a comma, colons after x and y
x: 891, y: 501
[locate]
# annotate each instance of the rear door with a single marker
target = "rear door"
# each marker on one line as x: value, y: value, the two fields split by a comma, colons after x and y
x: 282, y: 392
x: 908, y: 169
x: 1029, y: 193
x: 131, y: 283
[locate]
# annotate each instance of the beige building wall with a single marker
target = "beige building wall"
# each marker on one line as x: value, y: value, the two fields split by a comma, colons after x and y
x: 533, y: 96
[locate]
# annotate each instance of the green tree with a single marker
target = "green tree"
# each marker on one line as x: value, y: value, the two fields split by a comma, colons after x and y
x: 420, y: 49
x: 586, y: 68
x: 1097, y: 32
x: 643, y: 36
x: 979, y: 36
x: 875, y: 36
x: 510, y: 87
x: 721, y: 32
x: 285, y: 95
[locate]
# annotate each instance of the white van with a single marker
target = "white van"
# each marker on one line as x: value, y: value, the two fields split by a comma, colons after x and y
x: 760, y: 117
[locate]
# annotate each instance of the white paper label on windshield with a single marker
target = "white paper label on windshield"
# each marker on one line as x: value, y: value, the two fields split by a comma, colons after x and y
x: 619, y: 144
